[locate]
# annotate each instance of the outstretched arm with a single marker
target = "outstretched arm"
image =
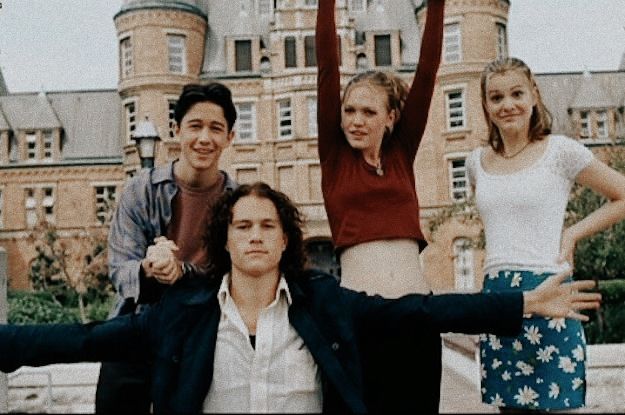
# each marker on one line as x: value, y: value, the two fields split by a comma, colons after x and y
x: 328, y: 81
x: 497, y: 313
x: 414, y: 116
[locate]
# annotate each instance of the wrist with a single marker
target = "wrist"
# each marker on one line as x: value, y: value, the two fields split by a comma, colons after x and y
x: 530, y: 301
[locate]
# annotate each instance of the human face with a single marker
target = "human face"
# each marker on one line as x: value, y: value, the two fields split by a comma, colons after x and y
x: 365, y: 116
x: 510, y: 99
x: 203, y: 133
x: 256, y: 239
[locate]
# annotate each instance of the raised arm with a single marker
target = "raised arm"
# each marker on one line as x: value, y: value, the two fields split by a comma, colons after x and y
x: 328, y: 81
x: 414, y: 116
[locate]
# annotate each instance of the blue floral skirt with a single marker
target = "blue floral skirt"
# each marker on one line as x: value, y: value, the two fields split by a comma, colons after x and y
x: 544, y: 367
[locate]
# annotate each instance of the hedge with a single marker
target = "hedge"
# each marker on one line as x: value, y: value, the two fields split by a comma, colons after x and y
x: 613, y: 313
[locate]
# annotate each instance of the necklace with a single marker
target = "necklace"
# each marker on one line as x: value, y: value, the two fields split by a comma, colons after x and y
x: 504, y: 155
x: 378, y: 168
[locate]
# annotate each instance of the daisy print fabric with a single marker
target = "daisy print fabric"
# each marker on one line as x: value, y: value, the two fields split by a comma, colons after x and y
x: 544, y: 367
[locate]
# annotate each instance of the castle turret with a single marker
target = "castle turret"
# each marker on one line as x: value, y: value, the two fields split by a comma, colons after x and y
x: 161, y: 48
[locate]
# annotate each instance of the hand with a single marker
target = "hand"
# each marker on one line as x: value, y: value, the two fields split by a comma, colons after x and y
x: 161, y: 263
x: 567, y: 247
x: 559, y: 299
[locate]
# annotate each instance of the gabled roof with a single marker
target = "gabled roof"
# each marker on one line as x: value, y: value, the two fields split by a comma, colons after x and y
x: 91, y: 121
x: 28, y: 111
x: 225, y: 20
x: 3, y: 86
x: 4, y: 124
x: 591, y: 94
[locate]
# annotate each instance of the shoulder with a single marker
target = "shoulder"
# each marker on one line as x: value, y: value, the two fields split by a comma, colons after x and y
x: 568, y: 156
x: 192, y: 291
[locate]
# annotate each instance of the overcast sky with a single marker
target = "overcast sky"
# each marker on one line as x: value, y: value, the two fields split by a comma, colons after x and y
x: 72, y: 44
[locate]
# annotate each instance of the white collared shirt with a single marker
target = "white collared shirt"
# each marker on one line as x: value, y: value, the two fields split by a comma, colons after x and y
x: 279, y: 375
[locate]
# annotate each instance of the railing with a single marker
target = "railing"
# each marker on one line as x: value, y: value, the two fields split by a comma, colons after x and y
x: 4, y: 401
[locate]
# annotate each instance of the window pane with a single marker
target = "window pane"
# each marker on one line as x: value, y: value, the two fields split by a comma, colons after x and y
x: 382, y: 50
x: 243, y: 58
x: 309, y: 47
x: 290, y: 54
x: 452, y: 44
x: 177, y: 58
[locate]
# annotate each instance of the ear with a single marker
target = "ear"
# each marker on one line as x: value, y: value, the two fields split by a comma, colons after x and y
x: 392, y: 118
x: 231, y: 135
x: 285, y: 242
x: 177, y: 129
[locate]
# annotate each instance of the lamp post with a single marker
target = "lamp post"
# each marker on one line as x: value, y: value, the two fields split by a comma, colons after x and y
x: 145, y: 137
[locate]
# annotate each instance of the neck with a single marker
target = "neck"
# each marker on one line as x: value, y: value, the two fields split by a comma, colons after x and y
x: 194, y: 177
x: 372, y: 156
x: 253, y: 293
x: 514, y: 141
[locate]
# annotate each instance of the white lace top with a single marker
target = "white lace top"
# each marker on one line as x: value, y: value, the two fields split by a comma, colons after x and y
x: 523, y: 212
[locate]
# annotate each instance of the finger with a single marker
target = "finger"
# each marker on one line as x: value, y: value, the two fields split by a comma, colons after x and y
x: 583, y: 285
x: 577, y: 316
x: 586, y: 305
x: 586, y: 297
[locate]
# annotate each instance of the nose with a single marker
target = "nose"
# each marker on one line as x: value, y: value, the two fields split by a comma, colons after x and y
x: 255, y: 234
x: 358, y: 118
x: 204, y: 135
x: 507, y: 103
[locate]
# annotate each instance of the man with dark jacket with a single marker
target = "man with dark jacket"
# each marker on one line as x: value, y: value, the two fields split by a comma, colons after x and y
x: 261, y: 334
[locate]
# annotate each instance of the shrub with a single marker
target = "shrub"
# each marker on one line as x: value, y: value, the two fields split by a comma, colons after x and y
x: 608, y: 326
x: 38, y: 307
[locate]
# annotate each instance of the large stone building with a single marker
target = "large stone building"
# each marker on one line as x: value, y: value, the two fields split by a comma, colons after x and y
x: 63, y: 153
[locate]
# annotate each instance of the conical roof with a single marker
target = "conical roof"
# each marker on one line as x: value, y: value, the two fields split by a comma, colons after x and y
x: 3, y: 86
x: 191, y: 6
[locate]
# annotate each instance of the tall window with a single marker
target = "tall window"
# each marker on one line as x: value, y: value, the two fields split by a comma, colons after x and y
x: 31, y: 146
x: 105, y: 197
x: 171, y: 109
x: 48, y: 204
x: 125, y: 56
x: 131, y: 118
x: 290, y: 52
x: 382, y: 45
x: 243, y: 55
x: 285, y: 119
x: 246, y: 121
x: 459, y: 187
x: 452, y: 43
x: 310, y: 58
x: 312, y: 116
x: 177, y: 53
x: 584, y: 121
x: 48, y: 142
x: 602, y: 124
x: 463, y: 264
x: 265, y: 6
x: 502, y: 41
x: 1, y: 208
x: 357, y: 5
x: 454, y: 101
x: 30, y: 207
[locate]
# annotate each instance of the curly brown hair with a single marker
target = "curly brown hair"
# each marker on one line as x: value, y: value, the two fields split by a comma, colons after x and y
x: 292, y: 261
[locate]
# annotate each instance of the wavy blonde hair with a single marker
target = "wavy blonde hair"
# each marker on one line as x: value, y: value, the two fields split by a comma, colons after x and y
x: 540, y: 121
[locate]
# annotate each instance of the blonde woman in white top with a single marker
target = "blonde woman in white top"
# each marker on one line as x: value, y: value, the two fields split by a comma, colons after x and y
x: 522, y: 182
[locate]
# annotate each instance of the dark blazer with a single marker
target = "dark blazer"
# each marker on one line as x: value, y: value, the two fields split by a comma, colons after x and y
x: 337, y: 325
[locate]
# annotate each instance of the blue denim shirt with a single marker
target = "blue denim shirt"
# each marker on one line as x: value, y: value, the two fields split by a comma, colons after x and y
x: 142, y: 214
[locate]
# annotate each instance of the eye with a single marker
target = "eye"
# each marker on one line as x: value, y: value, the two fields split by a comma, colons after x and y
x: 242, y: 226
x: 370, y: 112
x: 217, y: 129
x: 495, y: 98
x: 348, y: 110
x: 518, y: 94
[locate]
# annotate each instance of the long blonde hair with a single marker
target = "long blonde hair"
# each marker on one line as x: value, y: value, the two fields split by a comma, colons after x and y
x: 540, y: 121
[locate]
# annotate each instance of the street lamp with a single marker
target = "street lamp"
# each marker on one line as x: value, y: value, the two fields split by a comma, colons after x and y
x: 145, y: 137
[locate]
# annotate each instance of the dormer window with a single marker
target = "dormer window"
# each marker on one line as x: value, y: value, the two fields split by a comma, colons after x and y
x: 593, y: 126
x: 32, y: 149
x: 48, y: 145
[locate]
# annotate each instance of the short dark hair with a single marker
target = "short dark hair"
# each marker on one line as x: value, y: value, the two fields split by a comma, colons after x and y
x: 214, y: 92
x: 292, y: 261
